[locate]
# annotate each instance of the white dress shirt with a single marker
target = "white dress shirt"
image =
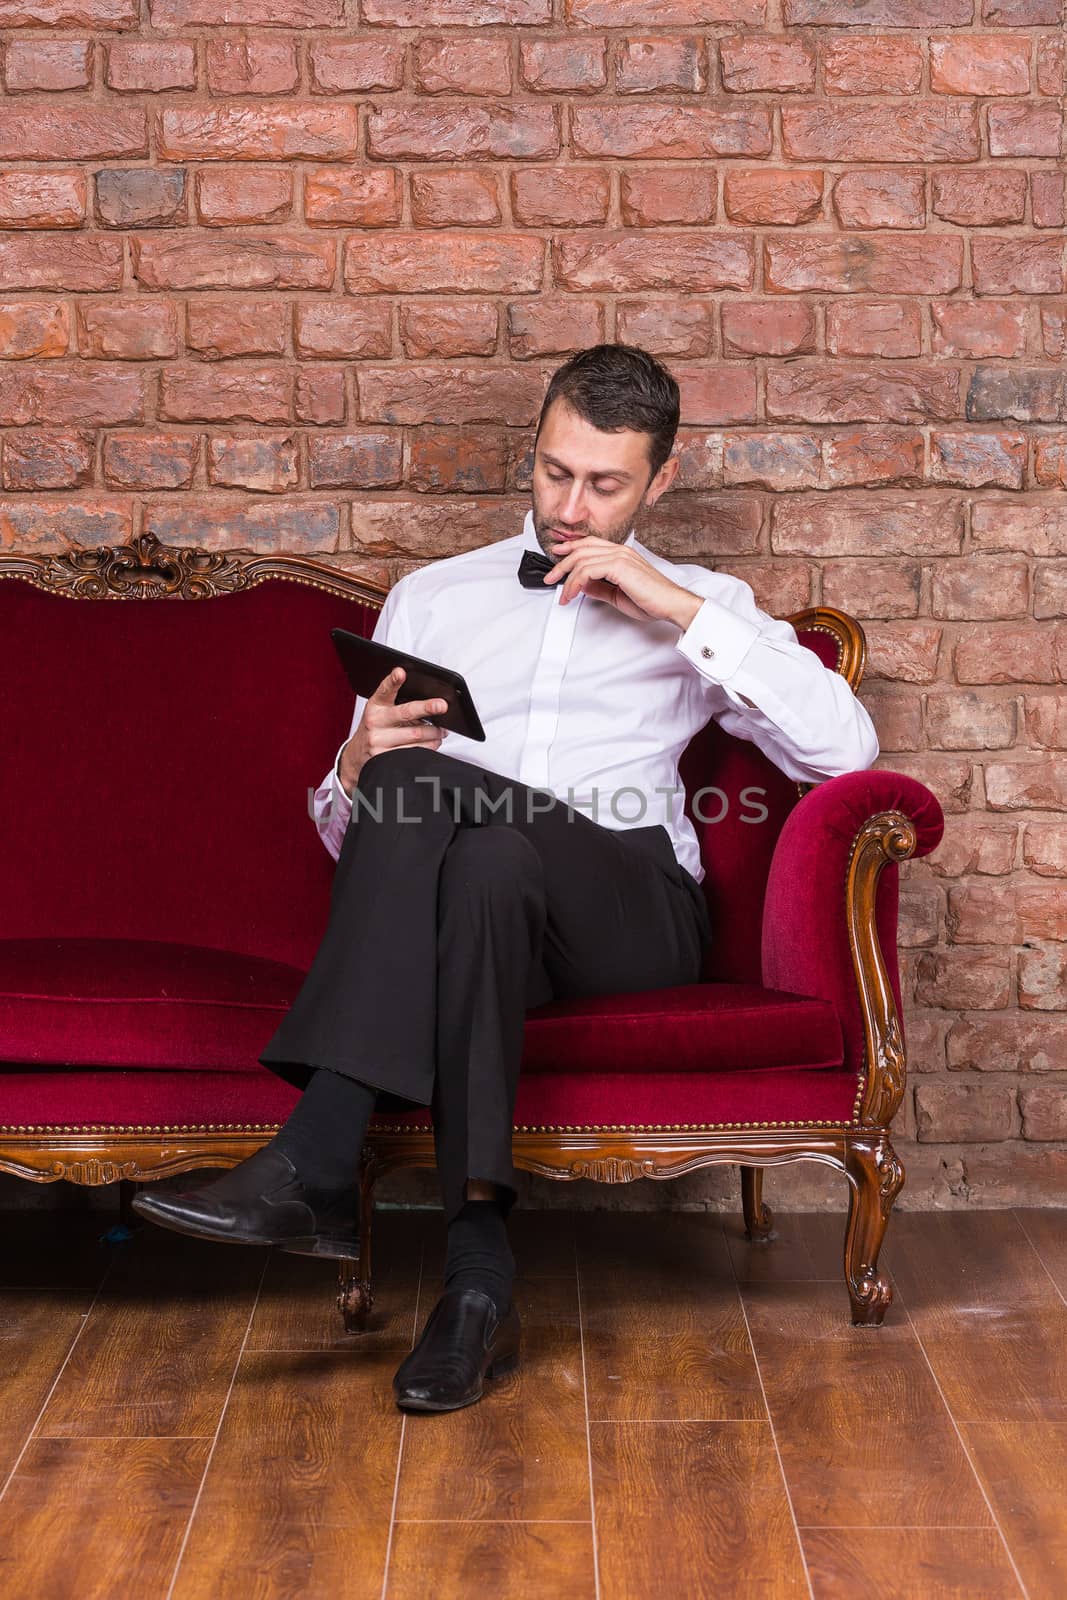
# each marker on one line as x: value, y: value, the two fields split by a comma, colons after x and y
x: 597, y: 707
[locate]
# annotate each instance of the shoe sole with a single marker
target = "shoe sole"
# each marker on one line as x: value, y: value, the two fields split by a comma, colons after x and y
x: 313, y: 1245
x: 309, y: 1244
x: 497, y: 1369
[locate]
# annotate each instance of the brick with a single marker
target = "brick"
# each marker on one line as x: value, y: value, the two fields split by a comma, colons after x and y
x: 875, y: 524
x: 229, y: 195
x: 670, y: 133
x: 28, y: 525
x: 667, y: 328
x: 761, y: 64
x: 644, y: 66
x: 367, y: 197
x: 1052, y: 65
x: 1054, y: 328
x: 426, y: 527
x: 963, y: 720
x: 264, y: 462
x: 1050, y: 580
x: 553, y: 328
x: 456, y: 461
x: 950, y: 778
x: 462, y: 66
x: 974, y: 846
x: 351, y: 66
x: 1048, y: 191
x: 1022, y: 13
x: 563, y: 66
x: 224, y: 394
x: 930, y: 265
x: 288, y: 526
x: 218, y: 329
x: 42, y: 199
x: 150, y: 460
x: 455, y: 13
x: 148, y: 66
x: 273, y: 261
x: 926, y: 131
x: 319, y: 396
x: 879, y: 13
x: 979, y: 199
x: 872, y: 65
x: 33, y: 328
x: 450, y: 395
x: 959, y: 1113
x: 778, y: 198
x: 422, y: 263
x: 622, y: 262
x: 816, y: 391
x: 661, y: 195
x: 869, y: 457
x: 443, y: 199
x: 140, y: 197
x: 84, y: 397
x: 978, y: 460
x: 972, y: 980
x: 766, y: 328
x: 872, y: 588
x: 972, y: 329
x: 1015, y: 394
x: 1043, y: 979
x: 1007, y: 653
x: 282, y: 132
x: 74, y: 261
x: 718, y: 394
x: 462, y: 132
x: 560, y: 197
x: 1045, y: 852
x: 95, y: 14
x: 1046, y: 721
x: 780, y: 587
x: 247, y: 13
x: 129, y: 330
x: 987, y: 64
x: 1040, y: 528
x: 1017, y: 266
x: 1044, y: 1111
x: 364, y: 459
x: 1050, y: 462
x: 880, y: 199
x: 700, y: 455
x: 1039, y: 785
x: 1007, y: 1044
x: 43, y: 458
x: 440, y: 328
x: 252, y: 66
x: 1025, y: 130
x: 774, y: 461
x: 980, y: 588
x: 707, y: 527
x: 1013, y: 1174
x: 874, y: 328
x: 49, y: 65
x: 71, y: 133
x: 338, y: 329
x: 662, y: 13
x: 907, y: 652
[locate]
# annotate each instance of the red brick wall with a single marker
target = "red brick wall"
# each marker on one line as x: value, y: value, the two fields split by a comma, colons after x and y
x: 299, y: 286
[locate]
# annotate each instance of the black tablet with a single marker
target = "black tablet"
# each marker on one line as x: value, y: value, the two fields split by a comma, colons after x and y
x: 367, y: 662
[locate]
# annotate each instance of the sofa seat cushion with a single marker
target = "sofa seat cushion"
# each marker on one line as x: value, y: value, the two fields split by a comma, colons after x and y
x: 695, y: 1027
x: 138, y: 1003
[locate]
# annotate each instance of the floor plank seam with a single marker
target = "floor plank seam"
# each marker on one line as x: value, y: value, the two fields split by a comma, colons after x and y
x: 403, y: 1433
x: 1040, y: 1257
x: 588, y: 1435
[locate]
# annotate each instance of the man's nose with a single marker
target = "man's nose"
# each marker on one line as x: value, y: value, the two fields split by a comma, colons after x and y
x: 572, y: 511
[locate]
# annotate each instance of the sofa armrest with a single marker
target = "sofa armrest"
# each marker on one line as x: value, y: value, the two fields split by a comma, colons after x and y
x: 830, y: 914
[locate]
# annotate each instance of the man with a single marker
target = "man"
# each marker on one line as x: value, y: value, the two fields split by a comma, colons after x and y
x: 475, y: 880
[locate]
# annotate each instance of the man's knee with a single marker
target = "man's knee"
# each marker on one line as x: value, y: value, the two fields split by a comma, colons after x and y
x: 490, y: 858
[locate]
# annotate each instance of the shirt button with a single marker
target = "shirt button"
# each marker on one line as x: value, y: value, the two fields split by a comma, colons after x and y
x: 706, y: 651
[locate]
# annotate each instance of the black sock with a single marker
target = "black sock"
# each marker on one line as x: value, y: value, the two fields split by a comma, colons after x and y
x: 478, y: 1255
x: 323, y: 1136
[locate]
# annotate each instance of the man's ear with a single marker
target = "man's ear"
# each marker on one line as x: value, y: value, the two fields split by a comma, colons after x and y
x: 662, y: 481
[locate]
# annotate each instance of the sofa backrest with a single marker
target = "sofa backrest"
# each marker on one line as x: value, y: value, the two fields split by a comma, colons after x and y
x: 159, y: 755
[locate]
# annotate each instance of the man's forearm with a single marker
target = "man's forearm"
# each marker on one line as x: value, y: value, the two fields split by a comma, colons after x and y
x: 685, y: 610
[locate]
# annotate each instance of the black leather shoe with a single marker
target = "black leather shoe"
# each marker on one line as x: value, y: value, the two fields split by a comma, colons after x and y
x: 463, y: 1343
x: 261, y: 1201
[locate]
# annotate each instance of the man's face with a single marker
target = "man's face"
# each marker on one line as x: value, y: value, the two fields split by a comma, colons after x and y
x: 589, y: 482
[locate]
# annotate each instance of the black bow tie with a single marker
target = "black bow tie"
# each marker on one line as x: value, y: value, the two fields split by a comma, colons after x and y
x: 532, y: 569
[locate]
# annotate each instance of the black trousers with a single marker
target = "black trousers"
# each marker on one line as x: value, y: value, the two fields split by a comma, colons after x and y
x: 460, y: 899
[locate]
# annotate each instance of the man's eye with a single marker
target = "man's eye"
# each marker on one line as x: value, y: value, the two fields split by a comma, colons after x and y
x: 603, y: 492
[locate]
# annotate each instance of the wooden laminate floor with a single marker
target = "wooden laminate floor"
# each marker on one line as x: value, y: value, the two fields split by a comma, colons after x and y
x: 694, y: 1416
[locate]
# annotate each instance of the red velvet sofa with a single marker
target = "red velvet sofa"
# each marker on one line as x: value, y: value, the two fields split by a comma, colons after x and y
x: 167, y: 714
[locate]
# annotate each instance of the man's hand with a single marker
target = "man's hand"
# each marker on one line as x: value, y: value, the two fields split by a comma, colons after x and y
x: 618, y: 574
x: 384, y: 726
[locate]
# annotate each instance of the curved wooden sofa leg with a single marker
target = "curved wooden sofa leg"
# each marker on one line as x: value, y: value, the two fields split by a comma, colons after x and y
x: 875, y: 1175
x: 355, y: 1294
x: 759, y: 1219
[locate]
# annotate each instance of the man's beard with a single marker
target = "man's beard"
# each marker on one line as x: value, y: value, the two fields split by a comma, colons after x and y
x: 544, y: 528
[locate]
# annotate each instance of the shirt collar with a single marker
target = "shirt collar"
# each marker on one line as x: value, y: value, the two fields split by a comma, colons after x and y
x: 530, y: 540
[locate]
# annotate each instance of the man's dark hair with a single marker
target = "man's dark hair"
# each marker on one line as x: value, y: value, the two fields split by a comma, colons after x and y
x: 616, y: 386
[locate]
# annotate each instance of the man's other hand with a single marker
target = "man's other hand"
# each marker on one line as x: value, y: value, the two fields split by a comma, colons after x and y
x: 622, y: 577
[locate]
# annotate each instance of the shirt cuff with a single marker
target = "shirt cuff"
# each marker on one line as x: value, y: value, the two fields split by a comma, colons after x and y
x: 717, y: 641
